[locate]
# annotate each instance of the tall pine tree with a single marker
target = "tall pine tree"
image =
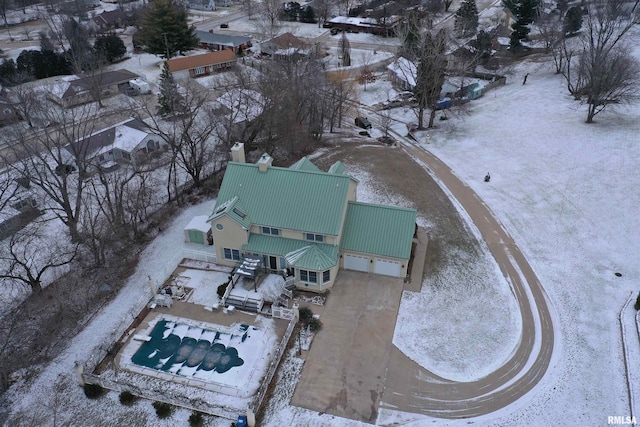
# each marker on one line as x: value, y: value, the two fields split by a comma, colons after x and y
x: 164, y: 30
x: 466, y: 23
x: 524, y: 11
x: 170, y: 101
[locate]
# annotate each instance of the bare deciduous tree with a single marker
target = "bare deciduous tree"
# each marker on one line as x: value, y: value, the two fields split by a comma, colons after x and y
x: 430, y: 74
x: 341, y: 89
x: 190, y: 135
x: 603, y: 71
x: 57, y: 161
x: 267, y: 21
x: 31, y: 253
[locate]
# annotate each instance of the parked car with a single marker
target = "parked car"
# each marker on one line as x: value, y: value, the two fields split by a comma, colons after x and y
x: 224, y: 25
x: 363, y: 123
x: 394, y: 103
x: 335, y: 31
x: 405, y: 95
x: 386, y: 139
x: 442, y: 104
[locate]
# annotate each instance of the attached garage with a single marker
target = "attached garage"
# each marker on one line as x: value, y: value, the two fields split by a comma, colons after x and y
x: 356, y: 262
x: 387, y: 267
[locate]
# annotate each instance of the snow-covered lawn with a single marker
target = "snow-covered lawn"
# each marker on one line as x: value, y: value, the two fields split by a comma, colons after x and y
x: 568, y: 194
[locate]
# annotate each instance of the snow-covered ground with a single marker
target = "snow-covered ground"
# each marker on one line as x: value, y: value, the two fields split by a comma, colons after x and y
x: 566, y: 191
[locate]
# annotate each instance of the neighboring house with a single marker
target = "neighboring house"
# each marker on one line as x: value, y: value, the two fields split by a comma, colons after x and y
x: 364, y: 25
x: 19, y: 207
x: 74, y: 90
x: 402, y: 73
x: 201, y: 4
x: 110, y: 20
x: 495, y: 15
x: 242, y: 105
x: 285, y: 46
x: 307, y: 222
x: 202, y: 65
x: 462, y: 59
x: 129, y: 141
x: 213, y: 41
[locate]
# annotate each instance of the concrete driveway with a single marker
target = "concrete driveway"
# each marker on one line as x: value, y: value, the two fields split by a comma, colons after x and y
x: 344, y: 373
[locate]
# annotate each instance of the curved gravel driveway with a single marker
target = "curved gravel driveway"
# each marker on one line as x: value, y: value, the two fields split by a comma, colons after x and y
x: 420, y: 391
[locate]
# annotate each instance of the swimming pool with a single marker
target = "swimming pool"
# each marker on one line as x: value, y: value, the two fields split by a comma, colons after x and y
x: 201, y: 354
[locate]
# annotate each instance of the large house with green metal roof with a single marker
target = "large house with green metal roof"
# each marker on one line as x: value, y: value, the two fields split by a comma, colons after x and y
x: 306, y: 221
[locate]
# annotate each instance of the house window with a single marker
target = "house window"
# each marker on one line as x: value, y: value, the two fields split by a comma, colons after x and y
x: 326, y: 276
x: 308, y: 276
x: 199, y: 70
x: 232, y: 254
x: 126, y: 156
x: 315, y: 237
x: 270, y: 230
x: 219, y: 226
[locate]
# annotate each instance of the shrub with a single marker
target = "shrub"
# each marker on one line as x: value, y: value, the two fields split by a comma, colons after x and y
x: 305, y: 315
x: 93, y: 391
x: 163, y: 410
x: 127, y: 398
x: 195, y: 419
x: 221, y: 289
x: 314, y: 325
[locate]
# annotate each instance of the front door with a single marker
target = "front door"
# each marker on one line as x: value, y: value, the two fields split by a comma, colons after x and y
x: 273, y: 263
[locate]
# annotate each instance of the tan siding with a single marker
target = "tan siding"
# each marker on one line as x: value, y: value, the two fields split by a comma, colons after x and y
x: 231, y: 236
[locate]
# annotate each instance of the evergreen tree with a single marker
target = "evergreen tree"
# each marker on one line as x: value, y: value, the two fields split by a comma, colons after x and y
x: 572, y: 20
x: 164, y: 30
x: 308, y: 15
x: 484, y: 45
x: 291, y: 11
x: 8, y: 72
x: 466, y: 23
x: 170, y: 101
x: 524, y: 11
x: 40, y: 65
x: 345, y: 50
x: 110, y: 47
x: 409, y: 34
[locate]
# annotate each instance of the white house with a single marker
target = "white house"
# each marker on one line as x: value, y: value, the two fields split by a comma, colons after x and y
x: 129, y: 141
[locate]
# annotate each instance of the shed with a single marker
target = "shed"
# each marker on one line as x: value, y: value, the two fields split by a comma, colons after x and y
x: 474, y: 91
x: 198, y: 231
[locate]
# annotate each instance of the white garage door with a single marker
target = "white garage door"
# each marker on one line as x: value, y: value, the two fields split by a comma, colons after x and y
x: 356, y: 262
x: 386, y: 267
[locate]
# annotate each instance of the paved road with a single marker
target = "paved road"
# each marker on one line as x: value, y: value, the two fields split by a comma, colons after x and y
x: 414, y: 389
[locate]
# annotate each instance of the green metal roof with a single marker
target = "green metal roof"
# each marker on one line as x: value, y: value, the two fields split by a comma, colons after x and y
x: 378, y: 230
x: 337, y: 168
x: 234, y: 209
x: 286, y: 198
x: 305, y: 164
x: 299, y: 253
